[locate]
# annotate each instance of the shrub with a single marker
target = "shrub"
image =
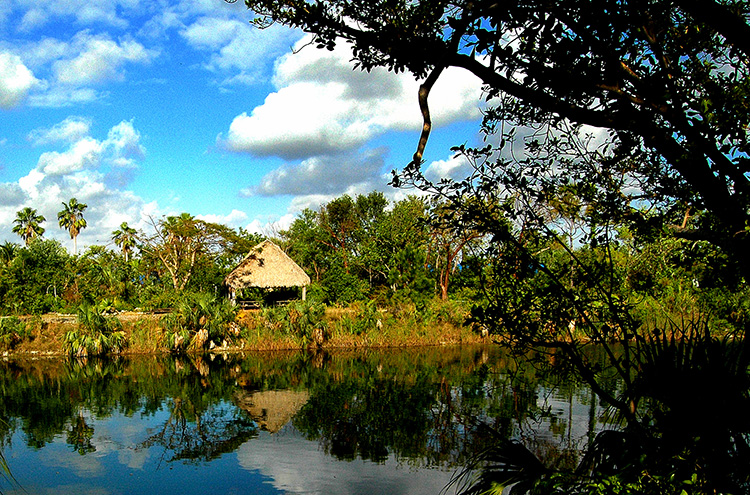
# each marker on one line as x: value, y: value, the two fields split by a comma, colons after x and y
x: 12, y: 332
x: 198, y: 320
x: 302, y: 320
x: 96, y: 333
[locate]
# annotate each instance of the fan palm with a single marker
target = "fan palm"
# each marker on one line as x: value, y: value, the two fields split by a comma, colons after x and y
x: 8, y: 251
x: 71, y: 219
x: 27, y: 224
x: 125, y: 238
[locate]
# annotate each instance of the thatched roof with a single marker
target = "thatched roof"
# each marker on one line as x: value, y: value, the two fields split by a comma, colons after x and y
x: 271, y: 409
x: 267, y: 266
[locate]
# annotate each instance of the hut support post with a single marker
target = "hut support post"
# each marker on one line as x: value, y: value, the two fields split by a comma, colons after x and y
x: 304, y: 292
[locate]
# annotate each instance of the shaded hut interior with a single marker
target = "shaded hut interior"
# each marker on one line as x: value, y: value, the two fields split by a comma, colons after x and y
x: 267, y: 275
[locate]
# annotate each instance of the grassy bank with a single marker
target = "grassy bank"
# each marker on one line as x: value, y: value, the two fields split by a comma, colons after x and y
x: 357, y: 326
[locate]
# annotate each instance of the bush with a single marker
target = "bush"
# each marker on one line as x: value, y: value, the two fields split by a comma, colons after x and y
x: 96, y: 334
x: 198, y: 320
x: 302, y: 320
x: 12, y: 332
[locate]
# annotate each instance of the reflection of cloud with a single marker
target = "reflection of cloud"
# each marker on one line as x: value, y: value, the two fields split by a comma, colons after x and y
x: 61, y: 456
x: 81, y: 489
x: 297, y: 465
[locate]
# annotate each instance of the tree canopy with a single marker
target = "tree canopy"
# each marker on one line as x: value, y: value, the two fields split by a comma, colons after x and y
x: 667, y: 80
x: 71, y: 219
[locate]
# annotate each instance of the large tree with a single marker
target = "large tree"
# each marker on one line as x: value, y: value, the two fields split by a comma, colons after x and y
x: 667, y: 79
x: 71, y: 219
x: 181, y: 243
x: 662, y: 87
x: 28, y: 224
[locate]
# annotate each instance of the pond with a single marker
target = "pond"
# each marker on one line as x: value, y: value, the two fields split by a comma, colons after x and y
x: 386, y: 421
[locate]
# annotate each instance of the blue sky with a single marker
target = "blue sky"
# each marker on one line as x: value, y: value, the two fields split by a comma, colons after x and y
x: 145, y: 108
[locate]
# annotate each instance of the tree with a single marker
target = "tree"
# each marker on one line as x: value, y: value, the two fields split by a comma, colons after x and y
x: 668, y: 80
x: 181, y: 243
x: 645, y: 103
x: 125, y: 238
x: 27, y: 224
x: 8, y: 251
x: 71, y: 219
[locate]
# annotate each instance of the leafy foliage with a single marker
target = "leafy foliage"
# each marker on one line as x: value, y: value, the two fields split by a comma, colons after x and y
x: 97, y: 334
x: 13, y: 331
x: 200, y: 320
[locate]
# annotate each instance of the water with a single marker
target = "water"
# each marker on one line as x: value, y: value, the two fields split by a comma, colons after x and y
x: 398, y: 421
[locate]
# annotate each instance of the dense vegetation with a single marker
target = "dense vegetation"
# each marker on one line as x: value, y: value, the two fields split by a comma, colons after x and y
x: 611, y: 189
x: 365, y: 250
x: 634, y: 240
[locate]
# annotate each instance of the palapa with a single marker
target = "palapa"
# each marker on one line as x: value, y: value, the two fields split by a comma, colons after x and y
x: 267, y: 266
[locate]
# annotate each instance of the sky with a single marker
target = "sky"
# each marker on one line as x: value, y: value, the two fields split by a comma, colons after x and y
x: 147, y: 108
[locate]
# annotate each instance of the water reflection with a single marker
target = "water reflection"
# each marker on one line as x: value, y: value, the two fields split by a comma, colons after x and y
x: 397, y: 421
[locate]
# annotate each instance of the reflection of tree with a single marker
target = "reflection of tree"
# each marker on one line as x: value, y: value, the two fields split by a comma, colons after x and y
x: 423, y: 406
x: 195, y: 435
x: 433, y: 415
x: 80, y: 435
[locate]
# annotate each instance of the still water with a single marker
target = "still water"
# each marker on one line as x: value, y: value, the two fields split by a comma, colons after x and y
x: 369, y: 422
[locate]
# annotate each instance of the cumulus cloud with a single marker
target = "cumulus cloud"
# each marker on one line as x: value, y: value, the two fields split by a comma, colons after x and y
x: 123, y: 144
x: 69, y: 130
x: 98, y: 58
x: 326, y: 175
x: 457, y: 167
x: 16, y: 80
x: 84, y: 12
x: 82, y: 169
x: 235, y: 218
x: 11, y: 194
x: 323, y: 106
x: 85, y: 153
x: 237, y: 50
x: 121, y: 148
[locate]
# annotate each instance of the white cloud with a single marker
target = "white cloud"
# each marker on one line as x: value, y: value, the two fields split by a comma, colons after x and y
x: 121, y: 148
x: 69, y: 130
x: 323, y: 106
x: 16, y: 80
x: 98, y: 58
x: 326, y: 175
x: 61, y: 96
x: 11, y: 194
x: 83, y: 170
x: 456, y: 167
x: 85, y: 153
x: 237, y: 50
x: 235, y: 218
x: 124, y: 145
x: 83, y: 12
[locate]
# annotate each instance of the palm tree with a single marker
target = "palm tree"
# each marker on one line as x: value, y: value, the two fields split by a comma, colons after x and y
x: 125, y: 238
x: 71, y: 219
x: 28, y: 224
x: 8, y: 251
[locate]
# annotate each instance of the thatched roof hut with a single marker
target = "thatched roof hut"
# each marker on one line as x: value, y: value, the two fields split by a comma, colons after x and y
x: 267, y: 266
x: 271, y: 409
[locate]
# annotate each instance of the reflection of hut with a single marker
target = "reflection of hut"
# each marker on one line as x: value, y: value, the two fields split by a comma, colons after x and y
x: 267, y: 267
x: 271, y: 409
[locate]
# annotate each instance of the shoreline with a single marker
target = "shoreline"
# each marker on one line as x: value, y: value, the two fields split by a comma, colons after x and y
x: 144, y: 335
